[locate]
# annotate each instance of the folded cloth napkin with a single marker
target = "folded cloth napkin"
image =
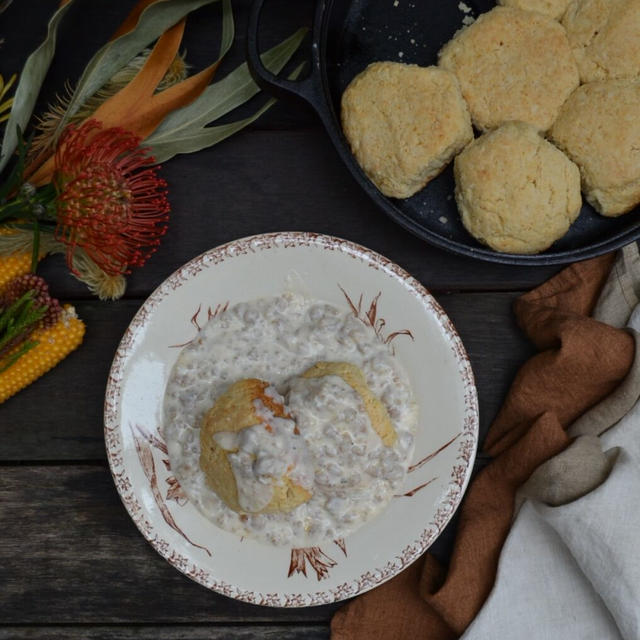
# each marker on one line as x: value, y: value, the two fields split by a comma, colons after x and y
x: 582, y: 361
x: 570, y: 566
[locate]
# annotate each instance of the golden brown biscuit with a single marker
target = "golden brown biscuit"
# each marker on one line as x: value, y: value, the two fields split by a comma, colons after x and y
x: 512, y: 65
x: 233, y: 411
x: 354, y: 377
x: 599, y: 129
x: 553, y: 8
x: 404, y: 124
x: 515, y: 191
x: 605, y: 38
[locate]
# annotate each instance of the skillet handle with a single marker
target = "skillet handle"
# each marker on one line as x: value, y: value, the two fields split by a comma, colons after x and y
x: 310, y: 88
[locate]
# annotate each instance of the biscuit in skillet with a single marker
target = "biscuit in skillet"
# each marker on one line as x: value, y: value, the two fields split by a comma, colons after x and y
x: 553, y: 8
x: 515, y: 191
x: 605, y: 38
x: 512, y: 65
x: 599, y: 129
x: 404, y: 124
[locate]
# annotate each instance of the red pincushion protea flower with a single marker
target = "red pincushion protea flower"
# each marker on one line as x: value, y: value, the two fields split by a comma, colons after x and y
x: 110, y: 201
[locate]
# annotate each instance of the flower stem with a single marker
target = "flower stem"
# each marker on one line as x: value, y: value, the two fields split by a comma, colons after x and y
x: 36, y: 246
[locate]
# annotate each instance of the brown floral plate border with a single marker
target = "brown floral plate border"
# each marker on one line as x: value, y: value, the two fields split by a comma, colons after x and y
x: 403, y: 315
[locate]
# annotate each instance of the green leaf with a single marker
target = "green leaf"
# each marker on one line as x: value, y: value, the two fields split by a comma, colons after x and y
x: 228, y: 29
x: 189, y: 142
x: 31, y: 79
x: 153, y: 22
x: 192, y: 142
x: 14, y: 178
x: 221, y: 97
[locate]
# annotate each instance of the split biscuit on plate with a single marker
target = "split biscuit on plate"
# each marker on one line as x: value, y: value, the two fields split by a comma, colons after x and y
x: 234, y: 411
x: 515, y: 191
x: 354, y: 377
x: 512, y: 65
x: 404, y: 124
x: 599, y: 129
x: 605, y: 38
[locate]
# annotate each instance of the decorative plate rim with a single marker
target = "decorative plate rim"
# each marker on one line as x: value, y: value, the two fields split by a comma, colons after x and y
x: 467, y: 441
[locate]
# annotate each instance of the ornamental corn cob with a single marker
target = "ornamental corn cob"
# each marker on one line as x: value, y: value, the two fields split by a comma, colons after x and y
x: 54, y: 344
x: 15, y: 264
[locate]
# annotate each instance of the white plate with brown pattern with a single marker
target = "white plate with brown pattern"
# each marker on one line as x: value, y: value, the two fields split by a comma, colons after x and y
x: 381, y: 295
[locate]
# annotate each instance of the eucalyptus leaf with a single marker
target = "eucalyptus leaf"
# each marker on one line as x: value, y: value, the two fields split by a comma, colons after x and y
x: 228, y: 29
x: 13, y: 180
x: 222, y: 97
x: 33, y: 74
x: 153, y: 22
x: 192, y: 141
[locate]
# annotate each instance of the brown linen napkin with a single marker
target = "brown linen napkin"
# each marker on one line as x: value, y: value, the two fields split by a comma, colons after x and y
x: 582, y: 361
x: 584, y: 465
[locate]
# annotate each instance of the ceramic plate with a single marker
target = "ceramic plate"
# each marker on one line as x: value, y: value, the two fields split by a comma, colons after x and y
x: 402, y: 313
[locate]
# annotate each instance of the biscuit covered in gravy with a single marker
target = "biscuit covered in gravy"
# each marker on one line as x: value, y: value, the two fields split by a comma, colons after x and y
x: 248, y: 405
x: 354, y: 377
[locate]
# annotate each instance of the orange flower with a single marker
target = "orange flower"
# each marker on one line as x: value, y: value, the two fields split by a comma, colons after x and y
x: 110, y: 202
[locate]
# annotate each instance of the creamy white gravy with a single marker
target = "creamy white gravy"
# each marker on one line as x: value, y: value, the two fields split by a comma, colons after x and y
x: 337, y: 455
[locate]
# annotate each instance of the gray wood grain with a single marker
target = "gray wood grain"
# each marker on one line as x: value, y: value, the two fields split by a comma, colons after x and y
x: 71, y: 427
x: 172, y: 632
x: 71, y: 554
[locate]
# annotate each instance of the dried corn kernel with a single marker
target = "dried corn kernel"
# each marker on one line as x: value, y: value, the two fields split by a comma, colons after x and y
x: 54, y: 344
x: 14, y: 265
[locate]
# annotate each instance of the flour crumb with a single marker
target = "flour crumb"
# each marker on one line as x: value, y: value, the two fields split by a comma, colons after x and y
x: 400, y: 54
x: 467, y: 20
x: 396, y: 3
x: 465, y: 8
x: 443, y: 219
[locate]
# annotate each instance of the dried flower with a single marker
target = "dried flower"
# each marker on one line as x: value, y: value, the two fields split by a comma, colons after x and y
x: 110, y: 201
x: 101, y: 284
x: 40, y: 296
x: 47, y: 124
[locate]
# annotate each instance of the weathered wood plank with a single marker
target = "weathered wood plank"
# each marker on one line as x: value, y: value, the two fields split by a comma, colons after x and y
x: 70, y: 426
x: 71, y: 554
x: 172, y: 632
x: 70, y: 546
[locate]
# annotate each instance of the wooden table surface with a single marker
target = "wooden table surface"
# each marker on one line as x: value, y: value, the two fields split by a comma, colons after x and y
x: 72, y: 563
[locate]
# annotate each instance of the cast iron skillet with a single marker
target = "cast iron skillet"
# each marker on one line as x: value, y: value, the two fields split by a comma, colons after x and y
x: 347, y: 36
